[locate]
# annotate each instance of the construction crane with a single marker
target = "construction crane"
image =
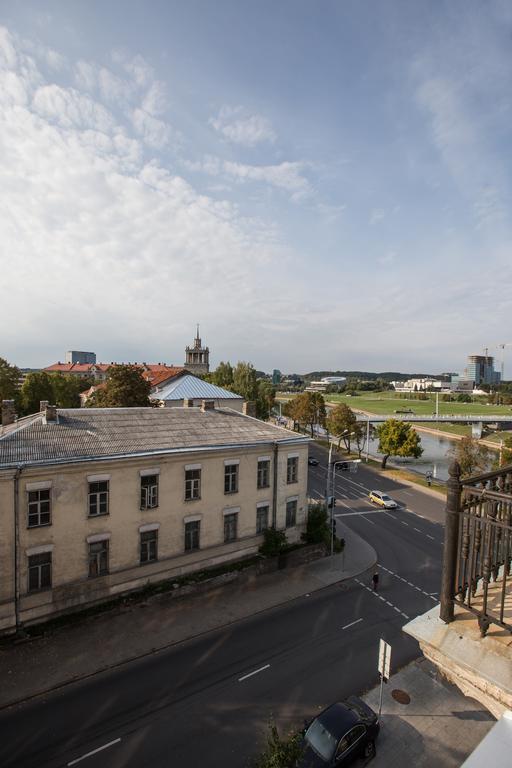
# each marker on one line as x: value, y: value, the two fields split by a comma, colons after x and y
x: 502, y: 347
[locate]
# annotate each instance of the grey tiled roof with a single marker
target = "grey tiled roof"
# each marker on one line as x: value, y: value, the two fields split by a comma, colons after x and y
x: 90, y: 433
x: 190, y: 387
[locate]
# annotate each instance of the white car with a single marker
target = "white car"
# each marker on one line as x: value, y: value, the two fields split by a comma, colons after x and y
x: 382, y: 499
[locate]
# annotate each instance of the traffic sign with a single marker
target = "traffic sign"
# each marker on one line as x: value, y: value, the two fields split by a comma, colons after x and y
x: 384, y: 659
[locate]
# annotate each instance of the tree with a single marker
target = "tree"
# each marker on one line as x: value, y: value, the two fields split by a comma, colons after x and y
x: 244, y: 381
x: 222, y: 375
x: 471, y: 456
x: 67, y: 389
x: 125, y: 387
x: 397, y: 438
x: 308, y: 409
x: 341, y: 422
x: 36, y: 387
x: 265, y: 399
x: 9, y: 378
x: 280, y: 752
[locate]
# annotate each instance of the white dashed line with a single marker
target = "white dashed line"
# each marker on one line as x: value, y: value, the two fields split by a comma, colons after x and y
x: 429, y: 536
x: 94, y: 751
x: 255, y: 672
x: 368, y: 521
x: 391, y: 604
x: 351, y: 623
x: 397, y: 609
x: 403, y: 522
x: 417, y: 529
x: 389, y: 514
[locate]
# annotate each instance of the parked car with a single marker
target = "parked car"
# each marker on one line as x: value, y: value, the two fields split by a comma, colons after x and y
x: 312, y: 461
x: 378, y: 497
x: 340, y: 734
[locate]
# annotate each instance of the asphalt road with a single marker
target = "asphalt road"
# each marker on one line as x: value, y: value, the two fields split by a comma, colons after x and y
x: 206, y: 702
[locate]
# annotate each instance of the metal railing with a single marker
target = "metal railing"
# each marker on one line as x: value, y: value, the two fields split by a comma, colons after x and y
x: 478, y: 548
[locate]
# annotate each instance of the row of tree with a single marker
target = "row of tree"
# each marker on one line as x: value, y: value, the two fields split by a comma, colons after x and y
x: 243, y: 380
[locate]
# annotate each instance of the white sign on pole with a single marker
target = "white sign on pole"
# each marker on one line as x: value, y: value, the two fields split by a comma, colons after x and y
x: 384, y: 659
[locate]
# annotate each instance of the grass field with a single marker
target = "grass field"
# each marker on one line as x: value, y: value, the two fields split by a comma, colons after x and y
x: 388, y: 402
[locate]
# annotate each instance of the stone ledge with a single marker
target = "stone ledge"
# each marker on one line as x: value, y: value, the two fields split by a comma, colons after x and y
x: 480, y: 667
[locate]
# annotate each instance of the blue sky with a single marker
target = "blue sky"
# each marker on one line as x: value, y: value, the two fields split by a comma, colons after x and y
x: 322, y: 185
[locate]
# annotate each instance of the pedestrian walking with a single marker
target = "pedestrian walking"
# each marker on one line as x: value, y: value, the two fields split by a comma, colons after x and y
x: 375, y: 581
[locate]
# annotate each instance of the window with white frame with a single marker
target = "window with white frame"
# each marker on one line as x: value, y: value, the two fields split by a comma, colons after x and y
x: 40, y: 571
x: 291, y: 513
x: 148, y: 546
x: 192, y: 484
x: 39, y: 508
x: 262, y: 518
x: 292, y: 469
x: 98, y: 558
x: 263, y: 473
x: 149, y: 492
x: 231, y: 478
x: 98, y: 498
x: 230, y: 526
x: 192, y: 535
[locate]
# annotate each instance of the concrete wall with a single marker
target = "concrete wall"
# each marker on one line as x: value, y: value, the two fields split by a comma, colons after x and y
x: 71, y: 526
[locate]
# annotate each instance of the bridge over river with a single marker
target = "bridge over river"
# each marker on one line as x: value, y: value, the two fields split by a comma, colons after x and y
x: 448, y: 418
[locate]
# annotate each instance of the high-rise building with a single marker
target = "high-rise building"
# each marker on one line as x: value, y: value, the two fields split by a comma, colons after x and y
x: 82, y: 358
x: 276, y: 377
x: 479, y: 370
x: 197, y: 358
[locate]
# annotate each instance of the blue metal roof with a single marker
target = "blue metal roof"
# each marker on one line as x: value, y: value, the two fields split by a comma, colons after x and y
x: 190, y: 387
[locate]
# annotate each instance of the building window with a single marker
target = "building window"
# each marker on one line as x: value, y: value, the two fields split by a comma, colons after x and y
x: 98, y: 558
x: 262, y: 519
x: 192, y: 484
x: 98, y: 498
x: 292, y: 469
x: 263, y: 473
x: 192, y: 529
x: 39, y: 508
x: 230, y: 526
x: 148, y: 546
x: 149, y: 492
x: 231, y: 478
x: 40, y: 571
x: 291, y: 513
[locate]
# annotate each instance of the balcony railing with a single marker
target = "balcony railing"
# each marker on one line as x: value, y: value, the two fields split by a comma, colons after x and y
x: 478, y: 548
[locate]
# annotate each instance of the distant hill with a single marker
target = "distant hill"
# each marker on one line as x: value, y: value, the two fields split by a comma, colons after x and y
x: 370, y: 375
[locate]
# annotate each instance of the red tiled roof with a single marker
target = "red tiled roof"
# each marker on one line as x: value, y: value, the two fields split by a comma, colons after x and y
x: 156, y: 377
x: 155, y: 373
x: 76, y: 367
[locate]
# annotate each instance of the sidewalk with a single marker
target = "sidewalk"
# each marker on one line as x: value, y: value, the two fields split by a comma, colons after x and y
x: 102, y: 642
x: 439, y: 727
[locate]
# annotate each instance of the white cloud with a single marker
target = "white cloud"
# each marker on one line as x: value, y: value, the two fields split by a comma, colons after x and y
x: 235, y: 124
x: 378, y: 214
x: 70, y: 108
x: 155, y: 100
x: 286, y: 176
x: 154, y: 132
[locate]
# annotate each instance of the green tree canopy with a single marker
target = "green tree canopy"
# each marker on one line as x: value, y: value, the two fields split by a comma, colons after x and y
x: 308, y: 409
x: 125, y: 387
x: 397, y: 438
x: 341, y: 422
x: 67, y: 389
x: 36, y: 387
x: 244, y: 381
x: 265, y: 399
x: 222, y: 376
x: 9, y: 377
x: 471, y: 456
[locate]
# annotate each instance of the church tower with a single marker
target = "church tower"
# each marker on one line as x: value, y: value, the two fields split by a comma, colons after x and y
x: 197, y: 358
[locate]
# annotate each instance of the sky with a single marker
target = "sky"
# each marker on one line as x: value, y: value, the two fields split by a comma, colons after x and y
x: 321, y: 185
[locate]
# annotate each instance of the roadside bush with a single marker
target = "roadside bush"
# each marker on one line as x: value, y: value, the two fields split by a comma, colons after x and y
x: 274, y: 542
x: 279, y: 752
x: 317, y: 526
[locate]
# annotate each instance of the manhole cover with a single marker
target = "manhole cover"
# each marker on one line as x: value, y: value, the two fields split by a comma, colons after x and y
x: 401, y: 696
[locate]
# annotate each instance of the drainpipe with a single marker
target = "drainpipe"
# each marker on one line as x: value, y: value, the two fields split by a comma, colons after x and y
x: 274, y: 491
x: 17, y: 546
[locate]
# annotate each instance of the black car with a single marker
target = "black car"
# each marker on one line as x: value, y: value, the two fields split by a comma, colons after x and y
x: 340, y: 734
x: 312, y: 461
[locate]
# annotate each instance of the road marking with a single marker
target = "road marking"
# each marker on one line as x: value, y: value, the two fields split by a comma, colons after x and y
x: 389, y: 514
x: 244, y: 677
x: 381, y: 598
x: 368, y: 521
x: 417, y: 529
x: 94, y: 751
x: 429, y: 536
x: 397, y: 609
x: 391, y: 604
x: 407, y: 493
x: 405, y: 615
x: 351, y: 623
x: 403, y: 522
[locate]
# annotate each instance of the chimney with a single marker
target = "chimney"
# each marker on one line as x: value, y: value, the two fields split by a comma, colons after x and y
x: 249, y: 408
x: 50, y: 414
x: 189, y: 403
x: 207, y: 405
x: 8, y: 412
x: 43, y: 405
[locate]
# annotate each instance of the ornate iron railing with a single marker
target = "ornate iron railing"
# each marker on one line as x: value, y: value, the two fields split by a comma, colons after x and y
x: 478, y: 548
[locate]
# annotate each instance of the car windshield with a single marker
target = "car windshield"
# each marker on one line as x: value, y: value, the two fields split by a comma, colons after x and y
x: 385, y: 498
x: 321, y: 740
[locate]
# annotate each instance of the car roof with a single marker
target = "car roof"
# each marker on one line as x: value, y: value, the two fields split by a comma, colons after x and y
x: 338, y: 718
